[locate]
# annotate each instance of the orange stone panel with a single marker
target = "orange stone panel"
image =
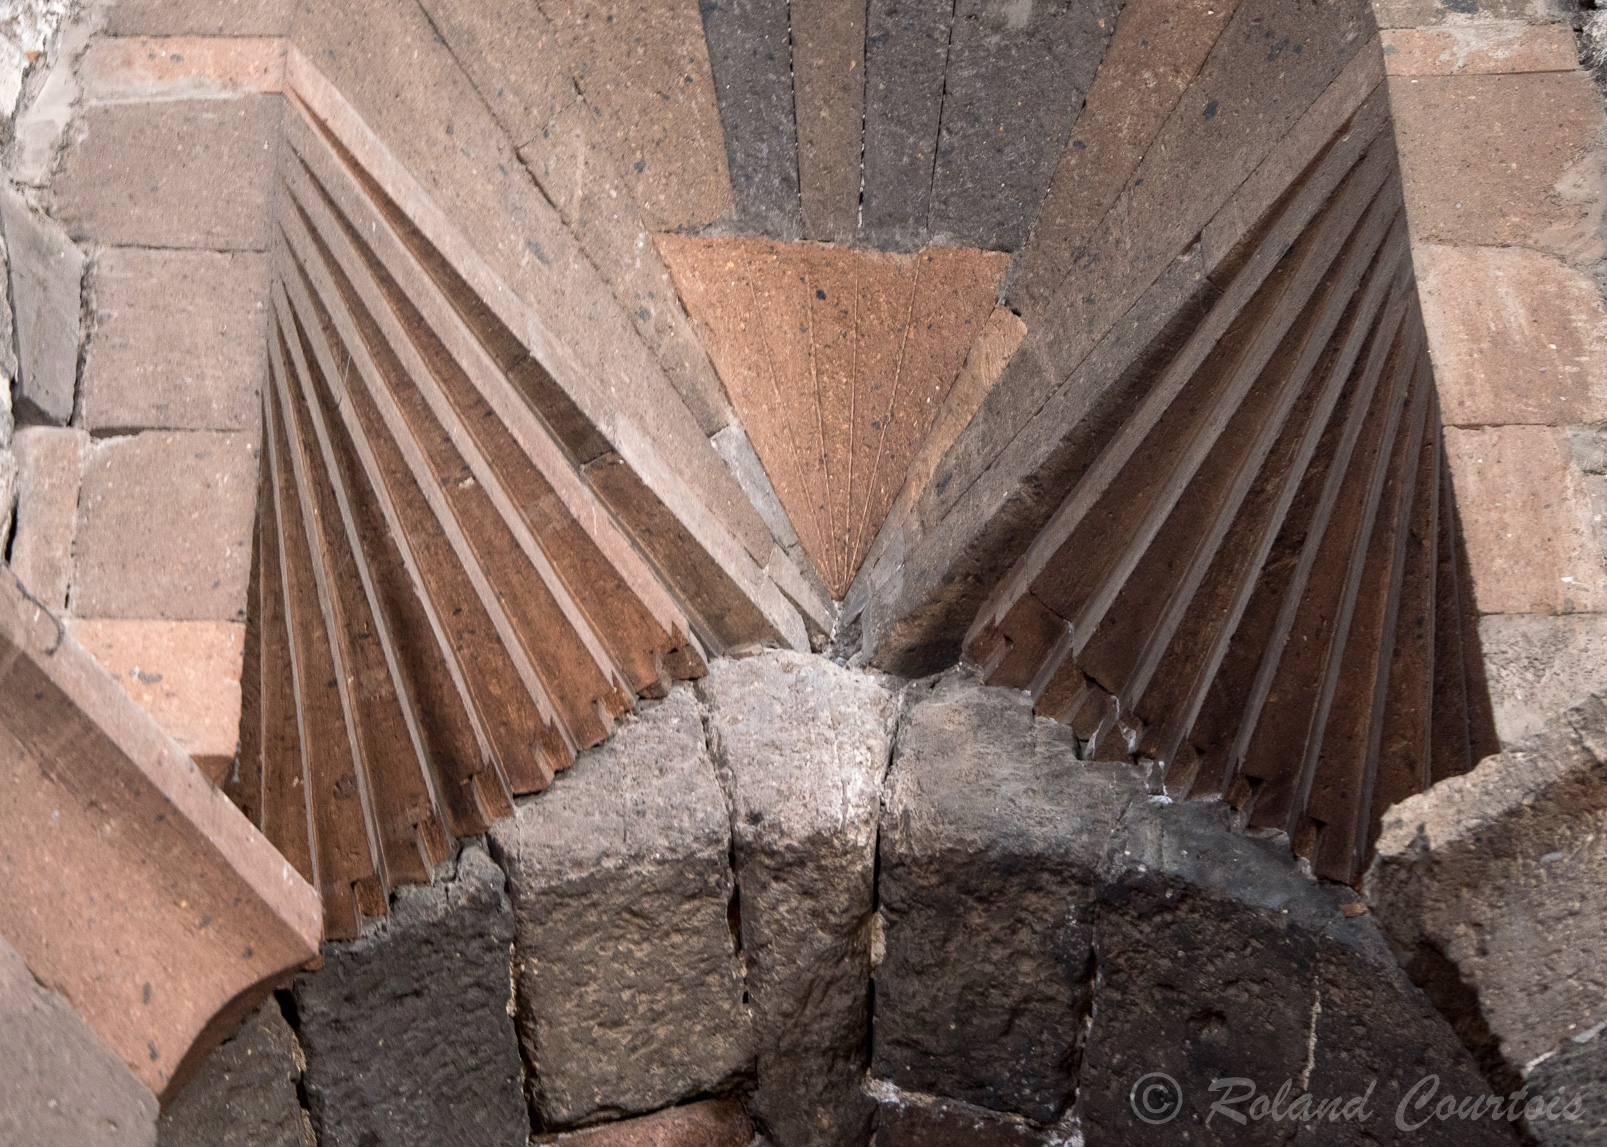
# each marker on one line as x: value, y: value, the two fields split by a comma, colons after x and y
x: 837, y: 361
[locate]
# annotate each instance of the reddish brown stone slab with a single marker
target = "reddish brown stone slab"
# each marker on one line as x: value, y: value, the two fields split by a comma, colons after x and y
x: 143, y: 67
x: 179, y: 340
x: 49, y: 461
x: 129, y: 883
x: 1479, y: 49
x: 186, y: 674
x: 712, y: 1123
x: 164, y: 526
x: 838, y: 362
x: 1526, y: 518
x: 1516, y: 336
x: 1496, y: 159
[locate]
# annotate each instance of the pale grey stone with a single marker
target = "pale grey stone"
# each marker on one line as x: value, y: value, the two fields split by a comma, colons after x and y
x: 802, y: 746
x: 1538, y: 666
x: 47, y: 272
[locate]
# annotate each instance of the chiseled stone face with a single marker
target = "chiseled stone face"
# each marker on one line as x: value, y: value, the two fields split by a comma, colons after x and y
x: 630, y: 986
x: 802, y: 746
x: 407, y: 1030
x: 245, y: 1093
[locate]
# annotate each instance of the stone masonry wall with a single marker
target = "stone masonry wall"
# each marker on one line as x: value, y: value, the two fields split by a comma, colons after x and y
x: 803, y: 905
x: 133, y: 215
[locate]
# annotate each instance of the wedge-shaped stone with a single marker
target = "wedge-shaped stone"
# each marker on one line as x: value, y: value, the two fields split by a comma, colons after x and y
x: 838, y: 362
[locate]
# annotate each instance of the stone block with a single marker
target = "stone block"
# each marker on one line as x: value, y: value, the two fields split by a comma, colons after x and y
x: 62, y: 1087
x: 49, y: 465
x: 1013, y: 86
x: 1527, y: 520
x: 8, y: 344
x: 1538, y: 667
x: 164, y: 527
x: 991, y: 845
x: 712, y: 1123
x: 186, y: 674
x: 906, y: 49
x: 139, y: 67
x: 245, y: 1093
x: 802, y: 746
x: 906, y: 1119
x: 1516, y: 336
x: 200, y: 18
x: 1500, y: 872
x: 1479, y: 49
x: 47, y: 272
x: 828, y: 83
x: 180, y: 341
x: 1501, y: 160
x: 407, y: 1030
x: 1415, y: 13
x: 630, y: 987
x: 1572, y: 1081
x: 750, y: 53
x: 174, y: 173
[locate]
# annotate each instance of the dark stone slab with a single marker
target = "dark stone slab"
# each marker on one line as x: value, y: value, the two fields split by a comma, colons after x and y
x: 750, y: 53
x: 1575, y: 1074
x: 984, y: 989
x: 245, y: 1093
x: 407, y: 1031
x: 911, y: 1120
x: 906, y: 49
x: 1014, y: 87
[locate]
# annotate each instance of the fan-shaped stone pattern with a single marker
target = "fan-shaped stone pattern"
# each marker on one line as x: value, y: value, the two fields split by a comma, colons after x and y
x: 448, y: 611
x: 1242, y: 584
x: 838, y: 362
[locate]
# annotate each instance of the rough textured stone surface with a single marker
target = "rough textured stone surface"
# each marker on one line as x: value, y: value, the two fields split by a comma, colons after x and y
x: 200, y: 17
x: 186, y: 674
x: 164, y: 526
x: 1500, y: 160
x: 245, y: 1093
x: 1537, y: 667
x: 750, y: 52
x: 802, y: 746
x: 1515, y: 335
x: 407, y: 1030
x: 990, y: 846
x: 47, y: 272
x: 630, y: 987
x: 62, y: 1086
x: 1486, y: 50
x: 49, y: 462
x: 1527, y: 520
x: 1575, y: 1072
x: 906, y: 47
x: 712, y: 1123
x: 179, y: 173
x: 1500, y: 871
x: 180, y: 341
x: 908, y: 1119
x: 1012, y: 89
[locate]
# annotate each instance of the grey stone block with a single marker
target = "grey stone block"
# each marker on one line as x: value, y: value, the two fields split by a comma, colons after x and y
x: 906, y: 49
x: 750, y: 53
x: 176, y: 173
x: 1572, y: 1083
x: 991, y: 849
x: 245, y: 1093
x: 200, y: 17
x: 1503, y: 872
x: 802, y: 746
x: 630, y: 987
x: 407, y: 1030
x: 1537, y: 667
x: 47, y: 272
x: 180, y: 341
x: 1013, y: 90
x: 62, y: 1086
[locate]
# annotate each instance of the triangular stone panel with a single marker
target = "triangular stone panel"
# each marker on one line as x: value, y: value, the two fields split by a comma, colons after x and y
x: 837, y: 361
